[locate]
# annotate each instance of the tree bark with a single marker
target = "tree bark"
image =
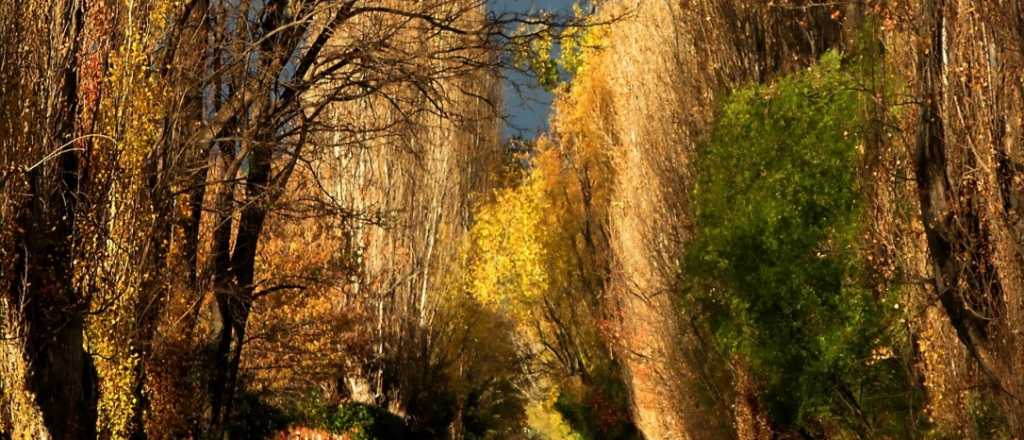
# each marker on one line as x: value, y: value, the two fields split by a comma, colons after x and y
x: 962, y: 232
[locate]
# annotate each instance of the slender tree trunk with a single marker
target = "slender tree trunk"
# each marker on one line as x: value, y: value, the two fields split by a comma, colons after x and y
x: 243, y: 262
x: 197, y: 58
x: 222, y: 286
x: 233, y: 278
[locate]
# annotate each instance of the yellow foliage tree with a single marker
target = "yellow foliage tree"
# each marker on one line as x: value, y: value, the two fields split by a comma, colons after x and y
x: 507, y: 245
x: 539, y: 254
x: 128, y: 282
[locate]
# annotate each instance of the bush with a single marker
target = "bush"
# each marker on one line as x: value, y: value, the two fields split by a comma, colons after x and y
x: 253, y: 418
x: 774, y: 269
x: 598, y: 409
x: 361, y: 421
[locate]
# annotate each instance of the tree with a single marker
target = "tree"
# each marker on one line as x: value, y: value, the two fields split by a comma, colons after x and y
x: 187, y: 96
x: 774, y: 270
x: 971, y: 221
x: 48, y: 381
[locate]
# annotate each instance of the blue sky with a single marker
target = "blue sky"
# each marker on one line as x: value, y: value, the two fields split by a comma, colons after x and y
x: 528, y: 108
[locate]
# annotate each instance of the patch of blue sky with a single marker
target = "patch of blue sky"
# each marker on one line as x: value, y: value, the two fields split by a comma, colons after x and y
x: 527, y: 104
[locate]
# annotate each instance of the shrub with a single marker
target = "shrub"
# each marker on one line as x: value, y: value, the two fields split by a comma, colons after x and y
x: 362, y: 422
x: 774, y: 267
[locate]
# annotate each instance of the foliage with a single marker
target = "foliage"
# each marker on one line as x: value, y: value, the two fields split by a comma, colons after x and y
x: 230, y: 212
x: 987, y: 418
x: 531, y: 257
x: 537, y: 254
x: 507, y: 245
x: 483, y: 375
x: 475, y: 386
x: 526, y: 260
x: 255, y: 418
x: 774, y: 268
x: 362, y: 422
x: 581, y: 44
x: 556, y: 57
x: 541, y: 64
x: 131, y: 115
x: 599, y: 409
x: 544, y: 422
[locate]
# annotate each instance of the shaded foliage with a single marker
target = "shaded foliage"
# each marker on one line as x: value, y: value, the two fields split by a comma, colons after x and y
x: 774, y: 269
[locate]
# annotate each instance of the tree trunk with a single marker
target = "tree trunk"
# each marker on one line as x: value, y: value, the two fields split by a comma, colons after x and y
x: 235, y: 301
x: 222, y: 287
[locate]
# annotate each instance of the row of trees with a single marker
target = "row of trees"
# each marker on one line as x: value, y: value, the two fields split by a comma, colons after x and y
x: 170, y: 169
x: 804, y: 215
x: 789, y: 219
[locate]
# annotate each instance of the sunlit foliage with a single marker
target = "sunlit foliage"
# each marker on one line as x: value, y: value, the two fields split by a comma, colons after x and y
x: 278, y: 218
x: 131, y: 120
x: 508, y: 245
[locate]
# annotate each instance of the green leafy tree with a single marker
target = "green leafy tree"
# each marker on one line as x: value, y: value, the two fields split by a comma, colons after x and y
x: 775, y: 269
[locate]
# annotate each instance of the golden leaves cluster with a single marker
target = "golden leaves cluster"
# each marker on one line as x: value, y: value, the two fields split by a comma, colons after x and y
x: 131, y: 114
